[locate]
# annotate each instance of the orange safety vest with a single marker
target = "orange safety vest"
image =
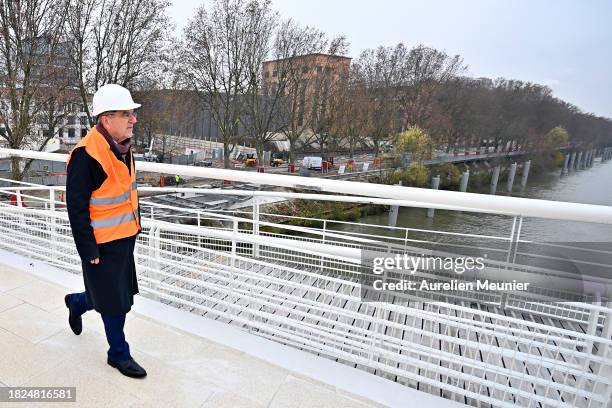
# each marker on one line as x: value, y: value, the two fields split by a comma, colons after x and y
x: 113, y: 208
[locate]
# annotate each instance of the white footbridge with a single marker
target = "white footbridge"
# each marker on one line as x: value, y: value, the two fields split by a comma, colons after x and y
x: 303, y: 286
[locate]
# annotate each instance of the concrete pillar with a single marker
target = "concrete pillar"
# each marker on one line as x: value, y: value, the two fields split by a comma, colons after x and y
x: 393, y: 211
x: 579, y: 161
x: 494, y: 179
x: 565, y: 164
x: 587, y: 162
x: 435, y: 184
x: 526, y: 168
x: 464, y: 181
x: 587, y: 156
x: 572, y: 161
x: 511, y: 177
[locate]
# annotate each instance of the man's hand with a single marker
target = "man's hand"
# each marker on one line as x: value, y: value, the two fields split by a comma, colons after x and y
x: 95, y: 261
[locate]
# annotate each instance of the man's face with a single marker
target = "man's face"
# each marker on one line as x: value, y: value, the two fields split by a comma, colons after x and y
x: 119, y: 124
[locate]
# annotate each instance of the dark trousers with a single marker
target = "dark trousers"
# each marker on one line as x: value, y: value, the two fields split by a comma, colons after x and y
x: 113, y: 326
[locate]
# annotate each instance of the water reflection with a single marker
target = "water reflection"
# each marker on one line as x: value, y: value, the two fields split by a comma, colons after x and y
x: 589, y: 186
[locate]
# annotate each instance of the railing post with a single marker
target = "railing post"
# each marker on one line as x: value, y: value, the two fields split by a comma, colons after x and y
x: 199, y: 235
x: 256, y: 225
x: 233, y: 262
x: 518, y: 237
x: 508, y: 256
x: 604, y: 351
x: 52, y: 228
x: 591, y: 330
x: 155, y: 247
x: 18, y: 200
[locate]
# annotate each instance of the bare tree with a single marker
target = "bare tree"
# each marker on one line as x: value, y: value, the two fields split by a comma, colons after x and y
x: 423, y: 71
x: 260, y: 116
x: 380, y: 71
x: 350, y: 112
x: 328, y: 87
x: 299, y: 80
x: 123, y: 42
x: 218, y: 49
x: 31, y: 73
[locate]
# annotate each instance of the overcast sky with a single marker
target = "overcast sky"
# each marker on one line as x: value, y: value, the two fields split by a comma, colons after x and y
x: 565, y: 44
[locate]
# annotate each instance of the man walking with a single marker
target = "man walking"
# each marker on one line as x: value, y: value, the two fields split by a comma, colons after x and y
x: 104, y: 217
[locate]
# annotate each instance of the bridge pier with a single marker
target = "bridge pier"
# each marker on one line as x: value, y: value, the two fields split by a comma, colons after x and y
x: 579, y: 161
x: 435, y: 184
x: 511, y: 177
x: 464, y: 181
x: 565, y: 164
x: 526, y: 168
x: 393, y: 211
x: 588, y: 158
x: 494, y: 179
x: 572, y: 160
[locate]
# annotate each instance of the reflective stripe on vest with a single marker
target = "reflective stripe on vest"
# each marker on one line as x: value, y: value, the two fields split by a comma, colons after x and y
x: 111, y: 222
x: 112, y: 200
x: 113, y: 207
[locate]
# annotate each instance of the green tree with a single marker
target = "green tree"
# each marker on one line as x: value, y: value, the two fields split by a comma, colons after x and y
x: 415, y: 141
x: 557, y: 137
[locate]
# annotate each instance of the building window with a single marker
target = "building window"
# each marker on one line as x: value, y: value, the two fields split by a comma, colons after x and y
x: 71, y: 133
x: 83, y: 132
x: 267, y: 74
x: 60, y: 132
x: 275, y: 73
x: 319, y: 68
x: 304, y: 70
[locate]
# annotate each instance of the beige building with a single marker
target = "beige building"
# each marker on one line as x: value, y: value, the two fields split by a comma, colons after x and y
x: 307, y: 80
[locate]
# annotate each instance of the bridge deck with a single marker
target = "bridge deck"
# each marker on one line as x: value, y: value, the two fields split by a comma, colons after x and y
x: 456, y: 353
x: 39, y: 349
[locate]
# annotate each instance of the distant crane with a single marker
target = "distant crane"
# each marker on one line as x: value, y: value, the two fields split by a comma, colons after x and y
x: 149, y: 155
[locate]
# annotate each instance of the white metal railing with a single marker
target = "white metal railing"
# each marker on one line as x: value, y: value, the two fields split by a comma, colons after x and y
x: 300, y: 286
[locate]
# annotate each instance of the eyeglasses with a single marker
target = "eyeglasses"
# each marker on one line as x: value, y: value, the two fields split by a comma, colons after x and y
x: 124, y: 114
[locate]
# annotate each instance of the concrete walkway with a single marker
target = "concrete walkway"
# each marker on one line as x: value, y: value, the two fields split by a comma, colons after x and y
x: 37, y: 348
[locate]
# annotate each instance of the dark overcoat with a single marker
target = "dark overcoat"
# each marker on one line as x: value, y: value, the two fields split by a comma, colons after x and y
x: 110, y: 286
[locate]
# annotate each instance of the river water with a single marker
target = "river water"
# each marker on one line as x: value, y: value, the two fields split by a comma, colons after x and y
x: 590, y: 186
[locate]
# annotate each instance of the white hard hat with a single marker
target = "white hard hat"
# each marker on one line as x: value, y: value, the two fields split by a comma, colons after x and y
x: 112, y: 97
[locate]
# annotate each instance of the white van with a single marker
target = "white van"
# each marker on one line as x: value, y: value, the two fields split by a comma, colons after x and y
x: 312, y: 162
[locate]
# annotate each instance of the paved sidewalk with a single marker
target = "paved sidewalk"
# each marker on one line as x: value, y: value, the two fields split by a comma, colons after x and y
x: 37, y: 348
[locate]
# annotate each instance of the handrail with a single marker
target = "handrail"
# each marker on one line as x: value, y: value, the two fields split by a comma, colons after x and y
x: 429, y: 198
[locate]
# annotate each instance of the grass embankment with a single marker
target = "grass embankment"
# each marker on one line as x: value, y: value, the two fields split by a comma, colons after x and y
x: 315, y: 212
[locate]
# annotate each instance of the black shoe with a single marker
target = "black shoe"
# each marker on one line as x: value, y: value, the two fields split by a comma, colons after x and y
x: 128, y: 368
x: 76, y: 323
